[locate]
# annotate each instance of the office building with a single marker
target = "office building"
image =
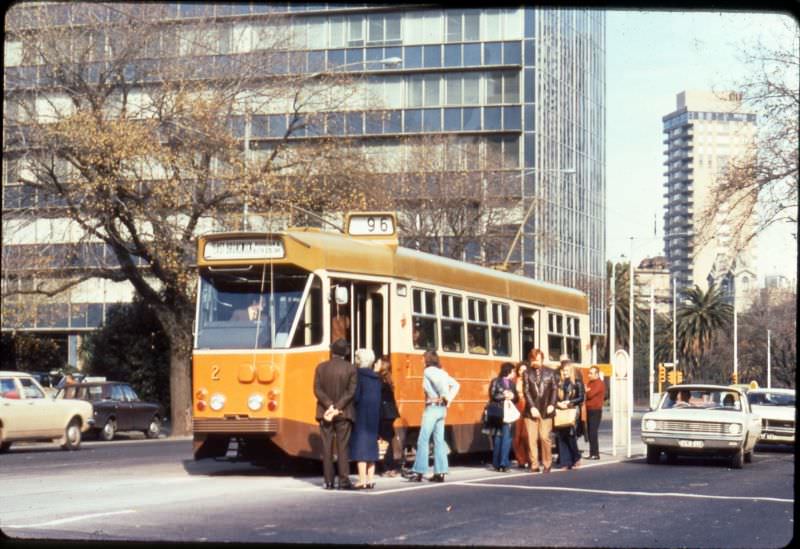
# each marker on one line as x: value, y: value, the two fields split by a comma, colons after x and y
x: 702, y: 135
x: 526, y: 85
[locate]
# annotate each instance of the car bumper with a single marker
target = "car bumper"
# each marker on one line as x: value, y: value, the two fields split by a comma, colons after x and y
x: 692, y: 443
x: 776, y: 438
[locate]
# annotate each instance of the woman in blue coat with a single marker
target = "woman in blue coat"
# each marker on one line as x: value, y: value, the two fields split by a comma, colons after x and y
x: 364, y: 440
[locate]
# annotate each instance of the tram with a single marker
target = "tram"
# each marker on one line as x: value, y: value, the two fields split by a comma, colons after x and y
x: 268, y: 304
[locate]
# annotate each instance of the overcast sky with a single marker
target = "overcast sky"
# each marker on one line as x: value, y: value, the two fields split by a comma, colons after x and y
x: 651, y: 57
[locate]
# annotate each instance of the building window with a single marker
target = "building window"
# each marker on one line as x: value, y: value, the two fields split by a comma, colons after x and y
x: 477, y: 327
x: 463, y: 26
x: 424, y: 319
x: 501, y: 330
x: 384, y: 29
x: 452, y: 324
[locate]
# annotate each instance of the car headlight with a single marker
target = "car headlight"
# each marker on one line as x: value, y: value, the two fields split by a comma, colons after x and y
x: 216, y: 402
x: 255, y: 402
x: 734, y: 428
x: 650, y: 425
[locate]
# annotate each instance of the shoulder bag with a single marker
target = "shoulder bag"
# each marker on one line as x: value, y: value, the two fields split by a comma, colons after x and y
x: 565, y: 418
x: 510, y: 412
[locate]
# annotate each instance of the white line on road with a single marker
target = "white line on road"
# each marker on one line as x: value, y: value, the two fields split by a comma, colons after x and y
x: 70, y: 519
x: 623, y: 493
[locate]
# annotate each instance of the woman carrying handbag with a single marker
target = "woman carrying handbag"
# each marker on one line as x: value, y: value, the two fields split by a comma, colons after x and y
x: 571, y: 395
x: 502, y: 390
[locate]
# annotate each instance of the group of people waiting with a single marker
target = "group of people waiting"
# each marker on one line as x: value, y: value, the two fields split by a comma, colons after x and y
x: 537, y: 391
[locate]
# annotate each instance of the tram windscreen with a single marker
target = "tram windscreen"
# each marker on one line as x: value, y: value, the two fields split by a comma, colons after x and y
x: 247, y: 308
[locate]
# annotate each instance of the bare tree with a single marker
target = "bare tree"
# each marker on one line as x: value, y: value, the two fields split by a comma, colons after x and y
x: 759, y: 189
x: 132, y: 144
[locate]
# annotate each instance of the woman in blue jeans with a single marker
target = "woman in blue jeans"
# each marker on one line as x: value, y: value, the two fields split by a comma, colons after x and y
x: 502, y: 388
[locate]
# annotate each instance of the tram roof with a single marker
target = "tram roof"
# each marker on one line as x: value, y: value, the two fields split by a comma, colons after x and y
x: 313, y: 249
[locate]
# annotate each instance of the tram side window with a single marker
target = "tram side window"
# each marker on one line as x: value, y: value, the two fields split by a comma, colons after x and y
x: 452, y: 323
x: 477, y: 327
x: 501, y: 330
x: 555, y: 335
x: 424, y: 319
x: 574, y: 339
x: 309, y: 325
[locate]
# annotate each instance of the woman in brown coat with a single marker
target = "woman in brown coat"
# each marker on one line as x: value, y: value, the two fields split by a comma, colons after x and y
x: 520, y: 441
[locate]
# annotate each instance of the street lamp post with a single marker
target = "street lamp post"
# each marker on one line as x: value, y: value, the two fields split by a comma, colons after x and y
x: 565, y: 171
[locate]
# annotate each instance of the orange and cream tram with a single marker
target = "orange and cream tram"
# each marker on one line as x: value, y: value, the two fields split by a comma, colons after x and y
x: 268, y: 304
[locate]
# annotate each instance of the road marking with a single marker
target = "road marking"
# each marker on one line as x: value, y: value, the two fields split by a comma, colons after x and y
x: 622, y: 492
x: 70, y: 519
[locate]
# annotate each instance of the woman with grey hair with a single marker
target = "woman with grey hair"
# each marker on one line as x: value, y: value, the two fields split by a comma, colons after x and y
x: 364, y: 441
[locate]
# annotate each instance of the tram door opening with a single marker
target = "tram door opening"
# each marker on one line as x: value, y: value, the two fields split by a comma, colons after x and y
x: 364, y: 319
x: 528, y: 320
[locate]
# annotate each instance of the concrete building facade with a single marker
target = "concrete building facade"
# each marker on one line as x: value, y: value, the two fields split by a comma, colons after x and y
x: 525, y: 83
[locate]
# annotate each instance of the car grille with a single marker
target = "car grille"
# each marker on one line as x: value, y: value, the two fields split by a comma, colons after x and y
x: 235, y: 425
x: 778, y: 426
x: 693, y: 426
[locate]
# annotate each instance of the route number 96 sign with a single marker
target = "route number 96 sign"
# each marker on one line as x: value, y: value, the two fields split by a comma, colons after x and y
x: 371, y: 224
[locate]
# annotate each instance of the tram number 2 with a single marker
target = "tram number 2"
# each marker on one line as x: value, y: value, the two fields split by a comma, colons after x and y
x: 215, y: 373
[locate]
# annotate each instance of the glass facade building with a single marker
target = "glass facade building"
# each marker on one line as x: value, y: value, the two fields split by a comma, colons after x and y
x: 525, y: 85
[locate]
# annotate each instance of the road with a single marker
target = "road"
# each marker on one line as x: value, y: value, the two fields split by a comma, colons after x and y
x: 153, y: 491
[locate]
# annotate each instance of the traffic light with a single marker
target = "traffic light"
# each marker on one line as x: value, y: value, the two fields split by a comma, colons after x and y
x: 734, y: 378
x: 671, y: 377
x: 662, y: 373
x: 679, y: 378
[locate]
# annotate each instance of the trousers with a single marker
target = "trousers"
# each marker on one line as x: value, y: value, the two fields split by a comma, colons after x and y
x: 338, y: 429
x: 539, y: 435
x: 593, y: 419
x: 432, y: 425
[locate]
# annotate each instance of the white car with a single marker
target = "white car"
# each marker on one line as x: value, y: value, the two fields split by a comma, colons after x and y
x: 776, y: 409
x: 702, y: 419
x: 28, y: 414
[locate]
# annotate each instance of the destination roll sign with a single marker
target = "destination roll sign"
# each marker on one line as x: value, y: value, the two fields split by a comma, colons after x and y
x: 244, y: 248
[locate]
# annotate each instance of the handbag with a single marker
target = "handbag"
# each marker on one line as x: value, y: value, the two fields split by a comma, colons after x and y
x: 493, y: 414
x: 510, y: 412
x: 565, y: 418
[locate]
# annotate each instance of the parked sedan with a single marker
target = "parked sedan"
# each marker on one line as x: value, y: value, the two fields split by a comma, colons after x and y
x: 702, y: 419
x: 776, y: 409
x: 117, y: 407
x: 27, y: 414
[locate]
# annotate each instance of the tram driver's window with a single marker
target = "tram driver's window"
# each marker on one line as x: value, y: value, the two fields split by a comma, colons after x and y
x: 452, y: 324
x: 424, y: 319
x: 501, y: 330
x: 555, y: 336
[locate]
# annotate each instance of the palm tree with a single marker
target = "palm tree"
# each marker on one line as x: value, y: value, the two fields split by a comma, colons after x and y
x: 700, y: 317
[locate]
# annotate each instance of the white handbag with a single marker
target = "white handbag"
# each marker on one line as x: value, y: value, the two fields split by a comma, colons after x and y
x: 510, y: 412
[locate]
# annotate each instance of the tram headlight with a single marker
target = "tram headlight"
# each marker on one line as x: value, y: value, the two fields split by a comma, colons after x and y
x: 217, y: 401
x: 255, y: 402
x: 734, y: 428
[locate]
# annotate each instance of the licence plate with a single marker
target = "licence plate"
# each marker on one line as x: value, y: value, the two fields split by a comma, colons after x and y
x: 690, y: 443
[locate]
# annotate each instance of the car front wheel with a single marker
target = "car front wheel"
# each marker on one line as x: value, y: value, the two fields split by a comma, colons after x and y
x: 109, y: 430
x: 653, y: 455
x: 4, y: 446
x: 72, y: 435
x: 154, y: 429
x: 737, y: 459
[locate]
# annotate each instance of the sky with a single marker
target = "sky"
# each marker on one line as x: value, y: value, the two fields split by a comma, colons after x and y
x: 651, y: 56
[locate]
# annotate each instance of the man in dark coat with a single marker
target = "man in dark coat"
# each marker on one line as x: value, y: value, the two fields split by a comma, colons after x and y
x: 540, y: 386
x: 335, y: 387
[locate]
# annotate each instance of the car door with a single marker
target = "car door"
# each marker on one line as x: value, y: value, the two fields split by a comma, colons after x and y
x: 138, y: 408
x: 122, y: 408
x: 12, y: 407
x: 40, y: 416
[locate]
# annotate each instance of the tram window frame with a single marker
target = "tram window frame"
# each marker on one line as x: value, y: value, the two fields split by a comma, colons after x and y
x: 452, y: 315
x: 477, y: 326
x: 310, y: 333
x: 501, y: 330
x: 573, y: 338
x: 423, y: 319
x: 555, y: 335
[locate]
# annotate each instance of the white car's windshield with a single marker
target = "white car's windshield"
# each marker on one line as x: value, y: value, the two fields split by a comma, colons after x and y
x: 702, y: 399
x: 771, y: 399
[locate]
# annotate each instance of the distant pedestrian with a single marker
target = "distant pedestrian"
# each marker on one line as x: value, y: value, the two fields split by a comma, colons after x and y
x: 440, y: 389
x: 502, y: 389
x: 571, y: 395
x: 367, y: 400
x: 595, y: 395
x: 541, y: 392
x: 520, y: 436
x: 335, y: 383
x: 389, y: 413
